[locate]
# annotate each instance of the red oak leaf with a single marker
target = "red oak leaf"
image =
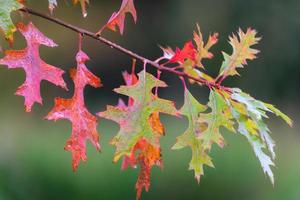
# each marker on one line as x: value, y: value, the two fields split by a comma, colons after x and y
x: 84, y: 124
x: 35, y: 68
x: 118, y: 18
x: 187, y: 52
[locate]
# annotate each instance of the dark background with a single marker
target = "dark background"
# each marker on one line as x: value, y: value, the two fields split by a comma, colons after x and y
x: 33, y: 164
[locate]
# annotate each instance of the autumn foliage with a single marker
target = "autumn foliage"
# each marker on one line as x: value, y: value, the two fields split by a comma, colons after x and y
x: 138, y: 141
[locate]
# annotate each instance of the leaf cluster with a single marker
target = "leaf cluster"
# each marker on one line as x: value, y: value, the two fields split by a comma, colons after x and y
x: 138, y: 140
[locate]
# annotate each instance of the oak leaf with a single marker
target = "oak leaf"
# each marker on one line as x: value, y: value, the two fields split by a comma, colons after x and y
x: 134, y: 120
x: 249, y: 113
x: 84, y: 124
x: 242, y: 52
x: 187, y: 52
x: 35, y: 68
x: 190, y: 57
x: 148, y: 155
x: 202, y: 48
x: 204, y: 129
x: 118, y: 18
x: 192, y: 110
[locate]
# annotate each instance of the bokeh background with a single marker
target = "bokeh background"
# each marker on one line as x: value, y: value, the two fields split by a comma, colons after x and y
x: 33, y: 164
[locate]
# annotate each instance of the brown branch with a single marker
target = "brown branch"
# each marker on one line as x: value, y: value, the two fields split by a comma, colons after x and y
x: 119, y: 48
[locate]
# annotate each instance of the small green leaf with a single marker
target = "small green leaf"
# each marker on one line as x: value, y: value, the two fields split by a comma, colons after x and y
x: 219, y: 116
x: 242, y: 52
x: 203, y: 129
x: 192, y: 109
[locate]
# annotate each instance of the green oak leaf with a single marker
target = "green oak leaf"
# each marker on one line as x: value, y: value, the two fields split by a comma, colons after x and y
x: 134, y: 120
x: 192, y: 109
x: 220, y: 116
x: 203, y: 129
x: 6, y: 24
x: 242, y: 52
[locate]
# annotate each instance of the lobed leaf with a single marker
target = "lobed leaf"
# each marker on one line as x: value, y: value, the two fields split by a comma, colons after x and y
x: 84, y: 124
x: 204, y: 129
x: 140, y: 125
x: 118, y: 18
x: 190, y: 57
x: 202, y: 48
x: 249, y: 114
x: 242, y: 51
x: 35, y: 68
x: 187, y: 52
x: 134, y: 120
x: 191, y: 137
x: 147, y: 155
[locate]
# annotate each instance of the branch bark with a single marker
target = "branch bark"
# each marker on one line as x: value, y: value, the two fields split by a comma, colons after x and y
x: 113, y: 45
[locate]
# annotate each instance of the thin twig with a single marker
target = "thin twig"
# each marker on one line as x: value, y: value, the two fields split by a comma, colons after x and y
x: 119, y: 48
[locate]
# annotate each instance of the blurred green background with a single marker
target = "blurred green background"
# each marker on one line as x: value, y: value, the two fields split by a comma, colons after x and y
x: 33, y: 164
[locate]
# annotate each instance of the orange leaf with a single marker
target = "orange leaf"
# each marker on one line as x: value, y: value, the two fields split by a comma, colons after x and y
x: 84, y: 124
x: 202, y: 48
x: 148, y: 157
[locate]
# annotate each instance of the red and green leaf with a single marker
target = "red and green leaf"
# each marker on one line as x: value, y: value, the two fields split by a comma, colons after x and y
x: 140, y: 127
x: 190, y: 57
x: 148, y: 155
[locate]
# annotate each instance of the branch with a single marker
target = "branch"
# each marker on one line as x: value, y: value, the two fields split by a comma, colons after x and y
x: 119, y: 48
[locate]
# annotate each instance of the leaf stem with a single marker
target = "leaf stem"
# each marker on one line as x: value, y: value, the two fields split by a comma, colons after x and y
x: 80, y: 41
